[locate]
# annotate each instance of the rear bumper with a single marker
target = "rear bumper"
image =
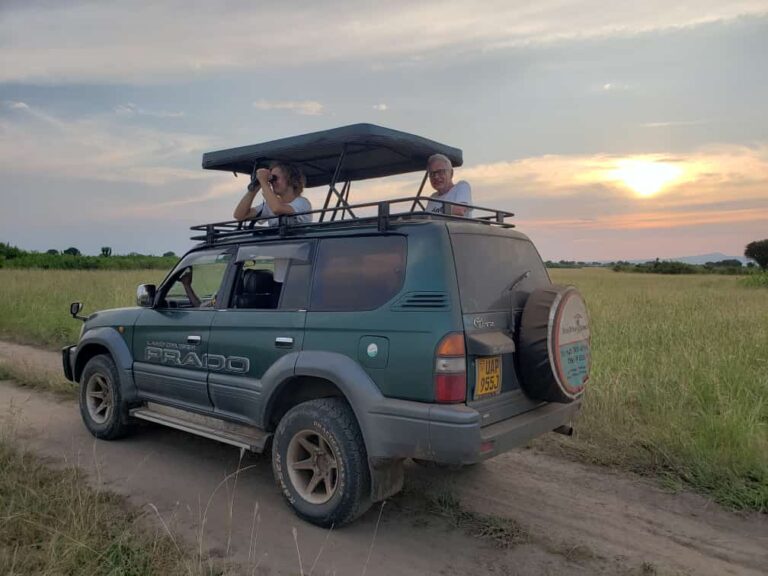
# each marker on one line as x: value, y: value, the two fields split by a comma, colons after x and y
x: 452, y: 434
x: 68, y: 362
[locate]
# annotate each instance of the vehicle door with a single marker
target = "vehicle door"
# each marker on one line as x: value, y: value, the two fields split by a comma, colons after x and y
x: 170, y: 341
x: 263, y: 322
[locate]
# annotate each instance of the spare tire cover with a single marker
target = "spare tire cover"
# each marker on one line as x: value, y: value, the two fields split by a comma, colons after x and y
x: 554, y: 339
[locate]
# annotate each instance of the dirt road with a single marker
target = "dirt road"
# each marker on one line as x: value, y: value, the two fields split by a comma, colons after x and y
x: 579, y: 519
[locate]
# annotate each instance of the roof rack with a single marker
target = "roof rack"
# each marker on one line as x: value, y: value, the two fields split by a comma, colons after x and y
x: 344, y: 217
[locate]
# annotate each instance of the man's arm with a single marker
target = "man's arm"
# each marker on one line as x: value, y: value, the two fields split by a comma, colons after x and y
x: 186, y: 282
x: 464, y: 196
x: 244, y: 210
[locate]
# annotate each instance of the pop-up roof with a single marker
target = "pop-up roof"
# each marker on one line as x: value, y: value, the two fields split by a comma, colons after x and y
x: 346, y: 154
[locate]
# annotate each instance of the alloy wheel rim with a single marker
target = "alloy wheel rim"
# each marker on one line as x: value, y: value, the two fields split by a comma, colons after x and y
x: 99, y: 401
x: 312, y: 466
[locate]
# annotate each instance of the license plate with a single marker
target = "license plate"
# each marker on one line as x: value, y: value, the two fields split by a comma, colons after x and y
x: 488, y: 381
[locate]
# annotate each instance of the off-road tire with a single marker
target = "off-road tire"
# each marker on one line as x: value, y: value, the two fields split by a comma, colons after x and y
x: 102, y: 408
x: 332, y: 420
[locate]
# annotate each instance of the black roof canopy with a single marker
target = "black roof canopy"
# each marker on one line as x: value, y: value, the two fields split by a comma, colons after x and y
x: 370, y: 151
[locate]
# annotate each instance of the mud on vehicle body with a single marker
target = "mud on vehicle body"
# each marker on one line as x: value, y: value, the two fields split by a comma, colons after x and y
x: 377, y: 333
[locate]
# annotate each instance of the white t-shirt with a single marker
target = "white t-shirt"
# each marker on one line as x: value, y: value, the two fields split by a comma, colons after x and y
x: 461, y: 193
x: 299, y: 204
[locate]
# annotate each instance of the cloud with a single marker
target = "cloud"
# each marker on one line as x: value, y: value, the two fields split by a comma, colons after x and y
x: 674, y: 123
x: 614, y: 87
x: 96, y: 148
x: 380, y: 107
x: 17, y: 105
x: 70, y: 42
x: 131, y: 109
x: 305, y: 107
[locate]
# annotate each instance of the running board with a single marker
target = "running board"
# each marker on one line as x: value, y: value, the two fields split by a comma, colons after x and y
x: 239, y: 435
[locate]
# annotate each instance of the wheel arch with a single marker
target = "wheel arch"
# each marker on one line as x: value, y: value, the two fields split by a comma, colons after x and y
x: 107, y: 340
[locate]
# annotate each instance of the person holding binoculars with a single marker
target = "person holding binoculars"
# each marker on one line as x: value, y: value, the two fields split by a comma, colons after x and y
x: 282, y: 185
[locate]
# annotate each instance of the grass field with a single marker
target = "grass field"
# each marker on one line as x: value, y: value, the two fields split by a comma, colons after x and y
x: 680, y: 368
x: 680, y: 380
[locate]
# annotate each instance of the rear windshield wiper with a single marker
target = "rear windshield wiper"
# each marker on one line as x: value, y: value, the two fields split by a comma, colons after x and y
x: 517, y: 281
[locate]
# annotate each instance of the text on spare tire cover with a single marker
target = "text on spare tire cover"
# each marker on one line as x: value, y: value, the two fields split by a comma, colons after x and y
x: 572, y: 343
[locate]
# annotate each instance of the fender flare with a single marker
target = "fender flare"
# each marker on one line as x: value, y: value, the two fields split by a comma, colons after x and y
x: 112, y: 340
x: 355, y: 384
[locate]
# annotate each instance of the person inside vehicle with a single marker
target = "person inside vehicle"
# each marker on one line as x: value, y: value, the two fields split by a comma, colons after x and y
x: 194, y: 300
x: 282, y: 185
x: 441, y: 178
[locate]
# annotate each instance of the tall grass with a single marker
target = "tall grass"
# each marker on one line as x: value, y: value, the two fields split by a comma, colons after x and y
x: 680, y: 380
x: 34, y: 304
x: 51, y: 522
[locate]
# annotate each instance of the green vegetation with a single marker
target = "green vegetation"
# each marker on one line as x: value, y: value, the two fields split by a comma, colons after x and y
x: 72, y: 259
x: 758, y: 251
x: 52, y: 523
x: 729, y: 267
x: 680, y: 381
x: 34, y: 304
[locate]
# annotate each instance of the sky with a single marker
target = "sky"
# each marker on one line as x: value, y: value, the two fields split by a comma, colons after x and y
x: 613, y: 130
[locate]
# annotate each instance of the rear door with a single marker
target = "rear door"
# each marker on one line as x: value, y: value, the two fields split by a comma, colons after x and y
x: 496, y: 271
x: 170, y: 340
x: 263, y: 321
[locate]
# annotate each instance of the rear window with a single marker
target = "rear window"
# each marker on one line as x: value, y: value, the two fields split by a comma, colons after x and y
x: 358, y: 273
x: 487, y: 265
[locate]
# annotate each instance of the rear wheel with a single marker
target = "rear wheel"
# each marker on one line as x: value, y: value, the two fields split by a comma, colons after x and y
x: 101, y: 404
x: 320, y: 462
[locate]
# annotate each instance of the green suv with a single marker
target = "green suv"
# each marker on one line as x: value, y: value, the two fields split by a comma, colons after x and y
x: 378, y: 332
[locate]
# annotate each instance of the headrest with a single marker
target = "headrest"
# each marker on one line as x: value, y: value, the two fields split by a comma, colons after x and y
x: 257, y: 282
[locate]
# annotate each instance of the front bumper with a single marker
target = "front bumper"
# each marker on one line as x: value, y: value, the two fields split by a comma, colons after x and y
x: 452, y: 434
x: 68, y: 362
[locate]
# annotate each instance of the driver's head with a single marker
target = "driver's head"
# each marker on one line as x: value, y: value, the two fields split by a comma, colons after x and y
x: 440, y: 173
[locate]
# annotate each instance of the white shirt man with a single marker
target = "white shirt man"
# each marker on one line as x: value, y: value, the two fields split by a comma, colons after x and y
x: 441, y: 178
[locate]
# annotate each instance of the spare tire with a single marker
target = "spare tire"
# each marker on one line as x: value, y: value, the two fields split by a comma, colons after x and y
x: 554, y: 344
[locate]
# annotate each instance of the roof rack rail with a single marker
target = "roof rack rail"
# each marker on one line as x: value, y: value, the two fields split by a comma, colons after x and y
x: 343, y: 217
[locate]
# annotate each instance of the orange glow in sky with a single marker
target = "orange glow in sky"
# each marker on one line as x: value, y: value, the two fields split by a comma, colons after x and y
x: 645, y: 178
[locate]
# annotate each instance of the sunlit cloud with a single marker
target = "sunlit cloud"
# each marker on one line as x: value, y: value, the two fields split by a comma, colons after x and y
x: 68, y: 42
x: 305, y: 107
x: 674, y: 123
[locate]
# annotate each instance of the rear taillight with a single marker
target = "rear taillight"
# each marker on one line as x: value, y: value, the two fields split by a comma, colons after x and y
x: 451, y: 369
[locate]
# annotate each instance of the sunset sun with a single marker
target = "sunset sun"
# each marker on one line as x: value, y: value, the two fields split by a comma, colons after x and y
x: 646, y: 178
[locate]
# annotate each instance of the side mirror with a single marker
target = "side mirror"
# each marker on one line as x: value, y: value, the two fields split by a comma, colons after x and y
x: 74, y: 310
x: 145, y: 295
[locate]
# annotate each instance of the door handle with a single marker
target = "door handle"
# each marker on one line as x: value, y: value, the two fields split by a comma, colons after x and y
x: 193, y: 339
x: 284, y: 342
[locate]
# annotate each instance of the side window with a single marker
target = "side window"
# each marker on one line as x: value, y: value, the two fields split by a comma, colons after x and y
x: 255, y: 285
x: 359, y: 273
x: 197, y: 280
x: 271, y: 276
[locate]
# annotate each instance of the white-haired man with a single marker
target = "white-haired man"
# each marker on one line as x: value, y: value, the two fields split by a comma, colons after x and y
x: 441, y: 178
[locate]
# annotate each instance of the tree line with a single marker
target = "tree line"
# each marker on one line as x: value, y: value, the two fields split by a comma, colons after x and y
x: 72, y: 259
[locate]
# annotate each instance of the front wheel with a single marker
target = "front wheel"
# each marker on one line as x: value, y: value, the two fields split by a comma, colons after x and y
x: 101, y: 404
x: 320, y: 462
